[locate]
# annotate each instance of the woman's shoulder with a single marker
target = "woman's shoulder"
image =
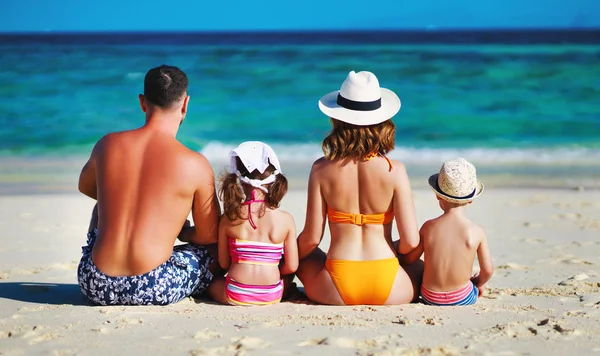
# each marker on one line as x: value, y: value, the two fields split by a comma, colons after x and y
x: 318, y: 166
x: 320, y: 162
x: 398, y: 168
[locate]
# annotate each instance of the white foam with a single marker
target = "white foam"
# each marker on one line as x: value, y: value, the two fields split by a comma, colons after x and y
x: 217, y: 151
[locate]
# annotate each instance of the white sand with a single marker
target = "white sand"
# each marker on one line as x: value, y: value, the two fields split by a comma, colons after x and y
x: 544, y: 297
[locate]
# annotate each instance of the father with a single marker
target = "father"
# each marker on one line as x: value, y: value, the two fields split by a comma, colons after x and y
x: 146, y: 182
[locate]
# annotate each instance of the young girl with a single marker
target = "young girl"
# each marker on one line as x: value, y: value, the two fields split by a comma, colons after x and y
x: 253, y: 232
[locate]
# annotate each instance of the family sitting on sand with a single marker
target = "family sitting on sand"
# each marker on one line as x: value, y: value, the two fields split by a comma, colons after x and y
x: 146, y: 183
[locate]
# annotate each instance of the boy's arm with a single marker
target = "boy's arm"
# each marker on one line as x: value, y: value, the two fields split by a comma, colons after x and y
x: 290, y: 250
x: 486, y: 268
x: 223, y: 245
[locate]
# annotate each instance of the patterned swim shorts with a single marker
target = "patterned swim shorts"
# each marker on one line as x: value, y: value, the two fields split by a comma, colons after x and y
x: 184, y: 274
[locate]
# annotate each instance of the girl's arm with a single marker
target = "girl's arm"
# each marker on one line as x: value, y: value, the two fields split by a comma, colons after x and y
x: 404, y: 212
x: 316, y: 208
x: 223, y: 244
x: 290, y: 250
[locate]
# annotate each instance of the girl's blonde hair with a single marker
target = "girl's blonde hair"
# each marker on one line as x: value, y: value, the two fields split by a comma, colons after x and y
x: 232, y: 195
x: 351, y: 141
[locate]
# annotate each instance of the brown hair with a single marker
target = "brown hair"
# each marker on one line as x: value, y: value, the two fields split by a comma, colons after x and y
x: 351, y: 141
x: 232, y: 194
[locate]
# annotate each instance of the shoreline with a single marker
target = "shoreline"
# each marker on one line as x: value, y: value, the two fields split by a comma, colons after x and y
x: 59, y: 175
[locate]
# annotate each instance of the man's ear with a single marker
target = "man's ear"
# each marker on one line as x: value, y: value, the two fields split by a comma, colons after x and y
x: 184, y: 107
x: 143, y: 103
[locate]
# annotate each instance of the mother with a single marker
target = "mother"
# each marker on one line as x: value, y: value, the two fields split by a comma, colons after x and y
x: 360, y: 191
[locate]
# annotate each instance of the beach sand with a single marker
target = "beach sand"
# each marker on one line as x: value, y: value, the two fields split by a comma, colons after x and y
x: 544, y: 297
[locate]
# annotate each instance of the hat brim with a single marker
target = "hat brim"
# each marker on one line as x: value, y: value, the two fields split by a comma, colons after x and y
x: 390, y: 105
x: 433, y: 183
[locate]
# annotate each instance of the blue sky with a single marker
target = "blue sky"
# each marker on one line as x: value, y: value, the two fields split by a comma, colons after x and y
x: 160, y: 15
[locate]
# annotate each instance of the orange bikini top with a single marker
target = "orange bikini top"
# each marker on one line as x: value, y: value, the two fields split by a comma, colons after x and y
x: 361, y: 219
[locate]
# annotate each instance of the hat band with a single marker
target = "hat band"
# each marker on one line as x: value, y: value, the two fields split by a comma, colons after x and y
x: 453, y: 196
x: 358, y: 105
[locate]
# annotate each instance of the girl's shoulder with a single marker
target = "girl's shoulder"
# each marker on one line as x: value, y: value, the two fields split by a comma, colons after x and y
x: 279, y: 214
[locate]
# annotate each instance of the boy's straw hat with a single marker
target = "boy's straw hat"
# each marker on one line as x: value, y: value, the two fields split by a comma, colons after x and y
x: 360, y: 101
x: 457, y: 182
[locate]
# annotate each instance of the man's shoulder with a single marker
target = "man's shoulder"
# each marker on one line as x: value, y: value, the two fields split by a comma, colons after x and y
x: 115, y: 137
x: 195, y: 158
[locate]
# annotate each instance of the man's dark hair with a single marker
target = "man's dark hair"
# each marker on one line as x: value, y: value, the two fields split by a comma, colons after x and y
x: 165, y: 85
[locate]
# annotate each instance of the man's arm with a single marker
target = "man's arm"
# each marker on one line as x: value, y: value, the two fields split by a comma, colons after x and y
x: 205, y: 207
x: 87, y: 178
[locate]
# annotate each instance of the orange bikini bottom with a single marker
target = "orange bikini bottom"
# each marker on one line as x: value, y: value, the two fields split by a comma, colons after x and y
x: 363, y: 282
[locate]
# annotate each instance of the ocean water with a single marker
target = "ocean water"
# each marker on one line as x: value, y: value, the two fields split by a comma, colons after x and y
x: 513, y: 98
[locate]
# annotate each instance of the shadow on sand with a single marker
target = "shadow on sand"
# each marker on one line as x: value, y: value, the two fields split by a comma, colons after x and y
x: 43, y: 293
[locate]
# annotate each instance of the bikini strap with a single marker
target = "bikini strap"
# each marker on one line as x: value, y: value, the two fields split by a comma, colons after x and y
x: 389, y: 162
x: 249, y: 203
x: 372, y: 155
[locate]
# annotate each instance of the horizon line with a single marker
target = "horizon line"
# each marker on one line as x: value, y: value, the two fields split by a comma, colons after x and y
x: 428, y: 29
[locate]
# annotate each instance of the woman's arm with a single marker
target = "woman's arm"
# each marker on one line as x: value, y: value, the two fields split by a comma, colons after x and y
x: 316, y: 208
x: 404, y: 211
x: 415, y: 254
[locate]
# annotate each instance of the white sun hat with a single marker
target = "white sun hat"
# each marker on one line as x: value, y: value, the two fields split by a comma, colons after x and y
x: 360, y: 101
x: 255, y: 155
x: 457, y: 181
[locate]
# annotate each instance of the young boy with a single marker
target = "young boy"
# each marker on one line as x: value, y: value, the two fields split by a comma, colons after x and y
x: 451, y: 241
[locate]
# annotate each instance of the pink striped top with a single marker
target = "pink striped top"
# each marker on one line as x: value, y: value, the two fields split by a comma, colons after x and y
x: 254, y: 252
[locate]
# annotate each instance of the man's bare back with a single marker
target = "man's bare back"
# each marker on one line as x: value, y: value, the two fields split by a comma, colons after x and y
x: 146, y: 183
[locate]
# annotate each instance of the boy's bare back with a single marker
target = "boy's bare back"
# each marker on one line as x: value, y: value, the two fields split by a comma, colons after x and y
x: 451, y: 242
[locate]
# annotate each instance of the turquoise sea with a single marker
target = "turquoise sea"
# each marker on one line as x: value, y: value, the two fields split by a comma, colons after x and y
x: 512, y: 99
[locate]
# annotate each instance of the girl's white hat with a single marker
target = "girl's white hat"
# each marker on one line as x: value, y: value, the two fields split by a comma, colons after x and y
x: 360, y: 101
x: 255, y: 155
x: 457, y: 182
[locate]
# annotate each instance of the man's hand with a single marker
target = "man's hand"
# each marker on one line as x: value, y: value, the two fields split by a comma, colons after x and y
x: 186, y: 232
